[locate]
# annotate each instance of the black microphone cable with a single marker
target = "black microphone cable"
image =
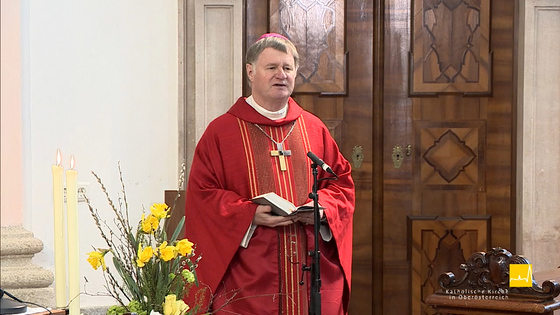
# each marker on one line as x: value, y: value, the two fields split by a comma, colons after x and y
x: 2, y: 292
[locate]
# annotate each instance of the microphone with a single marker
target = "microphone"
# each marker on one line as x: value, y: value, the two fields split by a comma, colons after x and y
x: 320, y: 163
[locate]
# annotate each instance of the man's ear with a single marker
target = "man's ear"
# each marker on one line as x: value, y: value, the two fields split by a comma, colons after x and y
x: 250, y: 72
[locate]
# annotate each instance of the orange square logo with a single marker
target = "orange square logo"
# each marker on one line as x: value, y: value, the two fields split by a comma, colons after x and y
x: 520, y: 275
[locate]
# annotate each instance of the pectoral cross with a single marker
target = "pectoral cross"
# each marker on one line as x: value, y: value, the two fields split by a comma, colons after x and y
x: 281, y: 153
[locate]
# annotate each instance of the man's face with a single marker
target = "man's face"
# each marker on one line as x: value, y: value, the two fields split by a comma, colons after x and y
x: 272, y: 77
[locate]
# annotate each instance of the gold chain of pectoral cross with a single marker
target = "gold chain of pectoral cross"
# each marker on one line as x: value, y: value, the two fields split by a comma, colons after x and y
x: 279, y: 152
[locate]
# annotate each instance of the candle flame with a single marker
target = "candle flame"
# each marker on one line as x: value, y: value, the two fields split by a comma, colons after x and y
x: 58, y: 158
x: 72, y: 162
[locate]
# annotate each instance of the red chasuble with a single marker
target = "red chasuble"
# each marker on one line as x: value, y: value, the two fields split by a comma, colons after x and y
x: 236, y: 160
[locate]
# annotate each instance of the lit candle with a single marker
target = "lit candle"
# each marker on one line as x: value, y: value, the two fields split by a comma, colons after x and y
x: 59, y: 242
x: 73, y: 239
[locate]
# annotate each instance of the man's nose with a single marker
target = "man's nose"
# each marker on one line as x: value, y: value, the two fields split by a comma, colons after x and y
x: 281, y: 74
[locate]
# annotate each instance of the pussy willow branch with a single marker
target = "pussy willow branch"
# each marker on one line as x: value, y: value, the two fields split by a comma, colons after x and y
x: 120, y: 242
x: 120, y: 220
x: 100, y: 182
x: 178, y: 195
x: 94, y: 294
x: 129, y: 229
x: 125, y: 249
x: 97, y: 220
x: 117, y: 212
x: 111, y: 285
x: 118, y: 248
x: 120, y: 251
x: 108, y: 236
x: 181, y: 182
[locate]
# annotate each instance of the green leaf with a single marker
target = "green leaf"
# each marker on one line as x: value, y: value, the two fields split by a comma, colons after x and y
x: 178, y: 229
x: 129, y: 282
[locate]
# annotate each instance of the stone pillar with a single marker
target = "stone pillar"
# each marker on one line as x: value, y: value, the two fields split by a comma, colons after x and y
x: 538, y: 222
x: 18, y: 275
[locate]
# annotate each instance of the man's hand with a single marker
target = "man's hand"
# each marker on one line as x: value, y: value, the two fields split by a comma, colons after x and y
x: 263, y: 216
x: 306, y: 217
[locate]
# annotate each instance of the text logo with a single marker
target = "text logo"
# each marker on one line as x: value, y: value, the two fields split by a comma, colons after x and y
x: 520, y: 275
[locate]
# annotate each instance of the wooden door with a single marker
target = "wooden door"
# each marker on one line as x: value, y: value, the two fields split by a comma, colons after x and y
x: 451, y: 189
x: 448, y: 180
x: 340, y: 92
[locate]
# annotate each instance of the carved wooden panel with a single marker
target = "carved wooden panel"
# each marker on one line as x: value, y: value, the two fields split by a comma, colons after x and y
x: 316, y: 27
x: 450, y: 154
x: 450, y: 47
x: 486, y: 287
x: 438, y: 245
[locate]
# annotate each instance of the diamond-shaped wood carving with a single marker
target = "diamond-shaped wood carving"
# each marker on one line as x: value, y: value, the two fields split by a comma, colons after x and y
x: 450, y: 154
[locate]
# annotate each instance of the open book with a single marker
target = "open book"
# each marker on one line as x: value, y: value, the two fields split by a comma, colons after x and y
x: 281, y: 206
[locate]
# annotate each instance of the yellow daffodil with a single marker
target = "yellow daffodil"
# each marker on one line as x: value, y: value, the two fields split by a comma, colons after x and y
x: 97, y: 259
x: 149, y: 224
x: 159, y: 210
x: 173, y: 307
x: 184, y: 247
x: 167, y: 252
x: 144, y: 255
x: 169, y: 304
x: 164, y: 264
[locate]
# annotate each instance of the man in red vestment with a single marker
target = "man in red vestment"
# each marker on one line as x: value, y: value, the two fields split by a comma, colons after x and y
x: 252, y: 261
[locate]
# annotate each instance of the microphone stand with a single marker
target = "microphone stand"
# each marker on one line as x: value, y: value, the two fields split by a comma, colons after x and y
x: 315, y: 306
x: 315, y: 294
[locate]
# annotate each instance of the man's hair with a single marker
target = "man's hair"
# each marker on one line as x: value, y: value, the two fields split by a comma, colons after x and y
x: 274, y: 41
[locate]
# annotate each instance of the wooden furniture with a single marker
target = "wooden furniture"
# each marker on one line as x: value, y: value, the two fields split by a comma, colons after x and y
x: 484, y: 288
x: 176, y: 201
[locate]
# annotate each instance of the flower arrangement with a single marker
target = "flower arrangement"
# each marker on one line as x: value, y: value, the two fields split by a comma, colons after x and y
x: 156, y: 270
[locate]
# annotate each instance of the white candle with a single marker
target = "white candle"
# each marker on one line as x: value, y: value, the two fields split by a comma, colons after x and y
x: 59, y: 241
x: 73, y: 239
